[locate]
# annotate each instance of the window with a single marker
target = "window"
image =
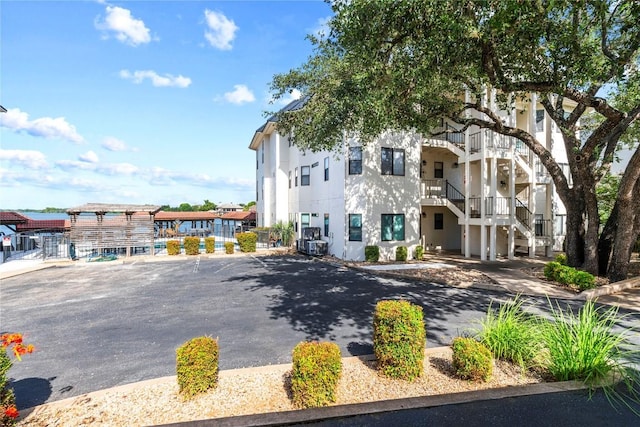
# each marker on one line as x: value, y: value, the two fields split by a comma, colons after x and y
x: 392, y: 161
x: 262, y: 152
x: 539, y: 120
x: 305, y: 175
x: 296, y: 177
x: 326, y: 225
x: 304, y: 220
x: 392, y: 227
x: 326, y: 169
x: 355, y: 160
x: 355, y: 227
x: 438, y: 221
x: 289, y: 179
x: 438, y: 170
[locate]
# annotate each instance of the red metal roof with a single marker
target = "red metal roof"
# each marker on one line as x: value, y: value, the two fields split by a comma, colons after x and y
x: 12, y: 218
x: 44, y: 224
x: 239, y: 216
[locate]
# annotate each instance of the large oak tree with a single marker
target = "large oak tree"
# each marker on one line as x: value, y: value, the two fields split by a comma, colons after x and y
x: 404, y: 64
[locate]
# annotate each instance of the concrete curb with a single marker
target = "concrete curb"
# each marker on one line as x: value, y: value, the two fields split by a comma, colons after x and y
x: 609, y: 289
x: 343, y: 411
x: 330, y: 412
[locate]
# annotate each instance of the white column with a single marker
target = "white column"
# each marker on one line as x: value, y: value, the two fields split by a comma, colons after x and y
x: 467, y: 188
x: 493, y: 193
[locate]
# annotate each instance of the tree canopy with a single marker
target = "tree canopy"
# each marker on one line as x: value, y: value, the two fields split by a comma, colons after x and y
x: 407, y: 64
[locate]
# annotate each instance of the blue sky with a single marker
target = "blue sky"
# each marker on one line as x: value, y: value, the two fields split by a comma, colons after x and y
x: 140, y: 101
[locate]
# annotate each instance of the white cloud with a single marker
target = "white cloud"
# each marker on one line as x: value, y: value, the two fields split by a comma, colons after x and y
x: 27, y: 158
x: 221, y: 30
x: 114, y: 144
x: 240, y: 95
x: 293, y: 95
x: 74, y: 164
x: 117, y: 169
x: 45, y: 127
x: 322, y: 29
x: 127, y: 29
x: 165, y: 177
x: 157, y: 80
x: 89, y: 157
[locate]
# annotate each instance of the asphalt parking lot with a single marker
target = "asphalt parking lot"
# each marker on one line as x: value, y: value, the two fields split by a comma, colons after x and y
x: 101, y: 325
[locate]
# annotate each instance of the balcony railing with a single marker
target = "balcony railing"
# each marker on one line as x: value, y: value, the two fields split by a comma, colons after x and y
x: 455, y: 196
x: 450, y: 134
x: 542, y: 227
x: 523, y: 213
x: 433, y: 188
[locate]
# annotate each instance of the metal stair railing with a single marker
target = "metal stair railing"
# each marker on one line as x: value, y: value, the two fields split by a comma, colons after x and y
x: 523, y: 214
x: 455, y: 196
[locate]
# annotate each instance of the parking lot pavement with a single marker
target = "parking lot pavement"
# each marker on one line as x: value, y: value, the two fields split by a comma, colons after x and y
x: 97, y: 326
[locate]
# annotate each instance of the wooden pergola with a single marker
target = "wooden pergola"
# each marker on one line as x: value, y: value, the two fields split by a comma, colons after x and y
x: 103, y: 226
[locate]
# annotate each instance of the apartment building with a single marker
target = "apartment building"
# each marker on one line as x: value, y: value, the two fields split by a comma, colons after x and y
x: 474, y: 192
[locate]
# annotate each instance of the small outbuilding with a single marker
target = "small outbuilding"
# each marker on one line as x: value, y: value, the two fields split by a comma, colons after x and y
x: 101, y: 228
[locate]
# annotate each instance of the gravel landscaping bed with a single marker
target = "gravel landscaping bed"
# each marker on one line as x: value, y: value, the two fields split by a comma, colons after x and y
x: 256, y: 391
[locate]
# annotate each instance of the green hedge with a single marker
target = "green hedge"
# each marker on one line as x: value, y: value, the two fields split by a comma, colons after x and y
x: 472, y: 360
x: 173, y: 247
x: 315, y: 374
x: 228, y: 247
x: 197, y: 365
x: 399, y: 339
x: 192, y: 245
x: 401, y: 253
x: 247, y: 241
x: 569, y: 276
x: 371, y: 253
x: 209, y: 245
x: 419, y: 252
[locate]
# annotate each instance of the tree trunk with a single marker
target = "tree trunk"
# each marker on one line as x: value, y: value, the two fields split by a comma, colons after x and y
x: 625, y: 238
x: 574, y: 240
x: 605, y: 244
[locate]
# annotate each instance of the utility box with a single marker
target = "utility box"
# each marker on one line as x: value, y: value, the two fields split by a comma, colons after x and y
x: 310, y: 243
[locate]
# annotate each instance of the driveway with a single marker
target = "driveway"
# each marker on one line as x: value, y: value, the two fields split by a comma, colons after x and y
x: 97, y: 326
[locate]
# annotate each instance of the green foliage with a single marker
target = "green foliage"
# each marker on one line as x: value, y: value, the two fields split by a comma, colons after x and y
x: 561, y: 258
x: 399, y: 339
x: 401, y: 253
x: 471, y: 359
x: 173, y: 247
x: 208, y: 206
x: 607, y: 193
x: 7, y: 397
x: 248, y: 206
x: 192, y: 245
x: 185, y: 207
x: 569, y: 276
x: 419, y: 252
x: 197, y: 366
x: 315, y: 374
x: 228, y: 247
x: 284, y: 232
x: 371, y: 253
x: 584, y: 347
x: 209, y: 245
x: 247, y: 241
x: 510, y: 333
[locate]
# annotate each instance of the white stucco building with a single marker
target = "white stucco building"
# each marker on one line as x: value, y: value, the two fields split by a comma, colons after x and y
x: 474, y: 192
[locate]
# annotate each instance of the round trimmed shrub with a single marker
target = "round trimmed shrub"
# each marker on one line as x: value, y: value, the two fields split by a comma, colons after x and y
x: 315, y: 374
x: 228, y: 247
x: 197, y: 365
x: 173, y: 247
x: 192, y: 245
x: 401, y: 253
x: 471, y: 359
x: 371, y: 253
x: 419, y: 252
x: 209, y: 245
x: 399, y: 339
